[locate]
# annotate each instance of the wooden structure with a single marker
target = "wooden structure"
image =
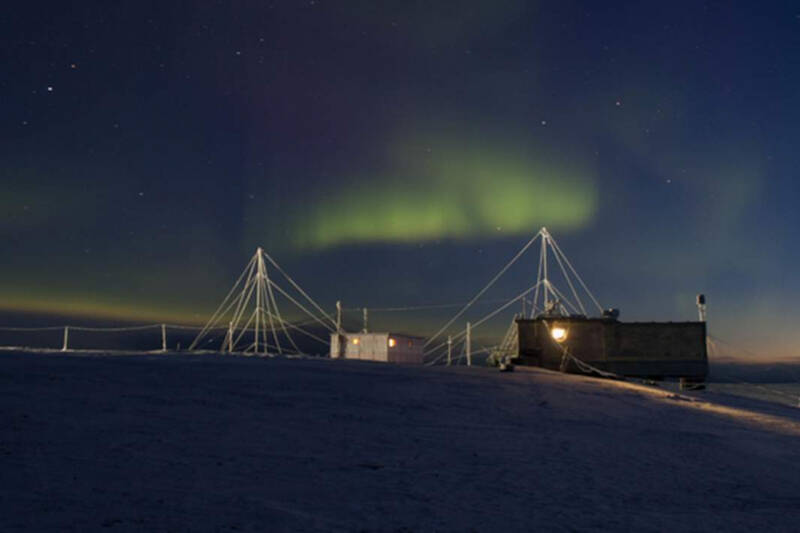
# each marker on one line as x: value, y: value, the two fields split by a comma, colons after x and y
x: 652, y: 350
x: 386, y: 347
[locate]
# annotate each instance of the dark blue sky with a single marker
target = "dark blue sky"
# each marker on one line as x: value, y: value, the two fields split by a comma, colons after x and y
x: 393, y: 153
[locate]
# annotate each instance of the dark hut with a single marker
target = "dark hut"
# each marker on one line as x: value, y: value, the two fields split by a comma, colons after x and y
x: 651, y: 350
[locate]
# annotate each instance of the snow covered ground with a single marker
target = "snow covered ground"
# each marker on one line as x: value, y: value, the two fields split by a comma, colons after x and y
x: 212, y: 443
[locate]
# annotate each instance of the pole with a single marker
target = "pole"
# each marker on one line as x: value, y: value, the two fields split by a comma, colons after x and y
x: 701, y: 307
x: 338, y: 316
x: 366, y: 315
x: 449, y: 350
x: 544, y: 267
x: 469, y: 344
x: 163, y: 337
x: 258, y: 294
x: 64, y: 348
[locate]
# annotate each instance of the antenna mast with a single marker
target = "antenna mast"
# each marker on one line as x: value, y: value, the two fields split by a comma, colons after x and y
x: 270, y: 330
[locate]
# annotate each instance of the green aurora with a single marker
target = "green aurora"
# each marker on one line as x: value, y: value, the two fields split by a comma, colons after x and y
x: 455, y: 195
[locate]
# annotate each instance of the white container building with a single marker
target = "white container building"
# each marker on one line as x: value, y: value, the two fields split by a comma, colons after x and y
x: 386, y: 347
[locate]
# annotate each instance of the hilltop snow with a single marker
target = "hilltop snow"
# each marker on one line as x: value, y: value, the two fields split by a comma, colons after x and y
x: 213, y: 443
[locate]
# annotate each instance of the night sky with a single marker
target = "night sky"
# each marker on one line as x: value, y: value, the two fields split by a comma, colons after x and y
x: 399, y: 153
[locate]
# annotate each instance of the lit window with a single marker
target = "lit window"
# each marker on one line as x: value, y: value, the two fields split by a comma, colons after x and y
x: 559, y: 334
x: 356, y: 340
x: 392, y: 343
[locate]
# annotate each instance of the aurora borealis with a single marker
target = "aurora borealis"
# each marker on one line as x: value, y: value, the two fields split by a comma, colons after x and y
x: 398, y: 153
x: 453, y: 194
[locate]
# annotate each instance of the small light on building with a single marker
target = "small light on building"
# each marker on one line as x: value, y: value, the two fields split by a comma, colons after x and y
x: 356, y: 340
x: 559, y: 334
x: 392, y: 343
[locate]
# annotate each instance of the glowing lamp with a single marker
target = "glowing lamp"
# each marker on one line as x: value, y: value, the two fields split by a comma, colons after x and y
x: 392, y: 343
x: 356, y: 340
x: 559, y: 334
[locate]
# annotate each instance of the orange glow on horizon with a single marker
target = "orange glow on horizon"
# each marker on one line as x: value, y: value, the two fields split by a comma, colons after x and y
x: 102, y: 310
